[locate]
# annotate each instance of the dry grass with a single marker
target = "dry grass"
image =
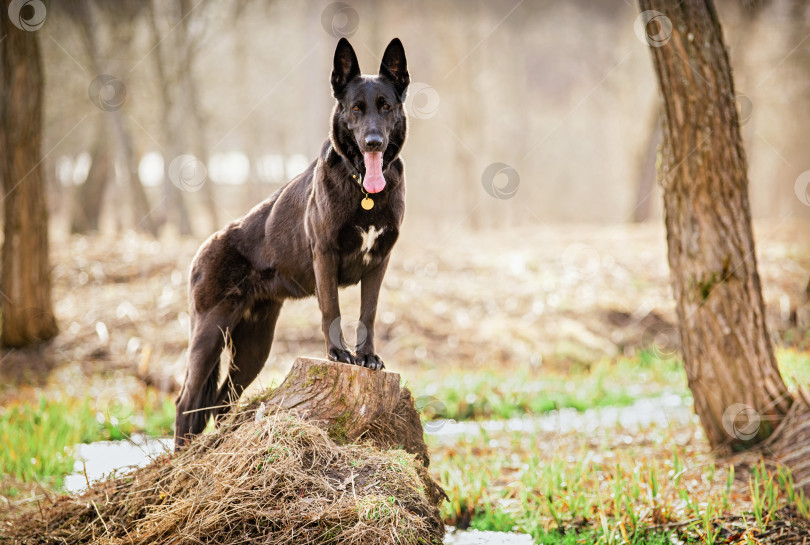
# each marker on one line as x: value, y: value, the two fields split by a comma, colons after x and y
x: 259, y: 478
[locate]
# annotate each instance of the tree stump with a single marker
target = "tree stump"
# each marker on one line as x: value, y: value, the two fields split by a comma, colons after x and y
x: 344, y: 399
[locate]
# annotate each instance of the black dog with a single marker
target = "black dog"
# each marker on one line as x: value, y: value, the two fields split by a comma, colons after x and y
x: 333, y: 225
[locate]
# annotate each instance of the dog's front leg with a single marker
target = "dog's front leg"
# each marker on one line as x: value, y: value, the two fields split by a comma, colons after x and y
x: 369, y: 296
x: 326, y: 282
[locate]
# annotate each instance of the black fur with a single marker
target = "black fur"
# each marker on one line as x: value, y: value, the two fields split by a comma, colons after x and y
x: 304, y: 240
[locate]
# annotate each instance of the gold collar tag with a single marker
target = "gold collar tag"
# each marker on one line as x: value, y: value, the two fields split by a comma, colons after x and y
x: 367, y: 203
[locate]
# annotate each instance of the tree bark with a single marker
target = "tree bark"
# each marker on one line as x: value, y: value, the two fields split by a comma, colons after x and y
x: 739, y: 394
x: 790, y: 443
x: 143, y: 212
x: 199, y: 132
x: 26, y: 283
x: 174, y: 211
x: 90, y: 195
x: 345, y: 399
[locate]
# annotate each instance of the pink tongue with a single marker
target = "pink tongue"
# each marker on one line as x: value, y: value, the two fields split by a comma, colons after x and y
x: 374, y: 182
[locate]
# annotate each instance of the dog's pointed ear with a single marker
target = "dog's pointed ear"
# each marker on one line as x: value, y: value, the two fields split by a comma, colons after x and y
x: 345, y: 69
x: 394, y: 67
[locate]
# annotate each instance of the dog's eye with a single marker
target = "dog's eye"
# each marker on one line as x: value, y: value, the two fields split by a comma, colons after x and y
x: 386, y: 107
x: 356, y: 108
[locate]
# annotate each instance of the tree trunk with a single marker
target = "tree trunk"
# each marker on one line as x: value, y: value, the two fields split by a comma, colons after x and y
x: 143, y: 212
x: 193, y: 106
x: 26, y: 283
x: 351, y: 402
x: 739, y: 394
x: 790, y: 443
x: 346, y: 399
x: 90, y: 195
x: 174, y: 211
x: 798, y: 66
x: 467, y: 124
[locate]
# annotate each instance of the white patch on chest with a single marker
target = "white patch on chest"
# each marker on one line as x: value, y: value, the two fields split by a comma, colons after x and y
x: 368, y: 238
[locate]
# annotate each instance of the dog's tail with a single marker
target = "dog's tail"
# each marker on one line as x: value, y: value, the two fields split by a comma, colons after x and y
x: 205, y: 402
x: 191, y: 420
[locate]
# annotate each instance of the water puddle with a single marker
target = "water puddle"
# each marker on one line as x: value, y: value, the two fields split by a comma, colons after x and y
x: 476, y: 537
x: 102, y: 458
x: 658, y: 411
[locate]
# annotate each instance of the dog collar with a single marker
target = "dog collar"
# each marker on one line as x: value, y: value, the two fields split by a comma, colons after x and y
x: 366, y: 203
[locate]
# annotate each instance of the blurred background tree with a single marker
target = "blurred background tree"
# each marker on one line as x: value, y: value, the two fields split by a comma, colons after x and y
x: 26, y: 275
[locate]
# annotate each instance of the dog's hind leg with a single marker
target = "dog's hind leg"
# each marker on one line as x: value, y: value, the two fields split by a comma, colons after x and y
x: 198, y: 396
x: 251, y: 338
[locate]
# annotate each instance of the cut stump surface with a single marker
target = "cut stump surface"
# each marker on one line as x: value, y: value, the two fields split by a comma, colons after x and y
x: 344, y: 399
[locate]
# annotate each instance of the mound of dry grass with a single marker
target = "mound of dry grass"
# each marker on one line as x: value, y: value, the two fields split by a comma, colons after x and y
x: 261, y: 477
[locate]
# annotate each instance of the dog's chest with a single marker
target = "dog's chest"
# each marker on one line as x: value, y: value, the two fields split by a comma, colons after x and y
x: 368, y: 239
x: 362, y: 247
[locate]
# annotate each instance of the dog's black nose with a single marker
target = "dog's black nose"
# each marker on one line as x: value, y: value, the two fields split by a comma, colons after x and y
x: 374, y: 142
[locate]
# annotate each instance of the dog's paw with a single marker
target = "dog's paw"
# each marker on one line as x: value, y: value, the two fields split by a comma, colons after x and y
x: 341, y: 355
x: 371, y: 361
